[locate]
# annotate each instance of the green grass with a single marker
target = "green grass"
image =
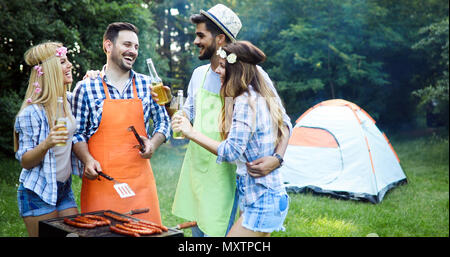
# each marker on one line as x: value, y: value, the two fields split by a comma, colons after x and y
x: 417, y: 209
x: 11, y: 224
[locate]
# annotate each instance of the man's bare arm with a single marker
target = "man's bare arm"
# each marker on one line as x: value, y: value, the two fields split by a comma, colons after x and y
x: 91, y: 166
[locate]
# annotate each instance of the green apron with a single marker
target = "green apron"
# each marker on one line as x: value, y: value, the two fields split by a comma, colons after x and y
x: 205, y: 191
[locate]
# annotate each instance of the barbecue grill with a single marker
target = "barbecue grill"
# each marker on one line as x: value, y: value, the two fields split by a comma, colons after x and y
x: 57, y: 228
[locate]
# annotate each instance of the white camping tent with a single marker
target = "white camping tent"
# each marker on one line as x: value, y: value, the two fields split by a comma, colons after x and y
x: 336, y: 149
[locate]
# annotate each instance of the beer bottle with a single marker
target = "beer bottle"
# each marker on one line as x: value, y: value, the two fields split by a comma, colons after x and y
x: 179, y: 135
x: 157, y: 85
x: 60, y: 117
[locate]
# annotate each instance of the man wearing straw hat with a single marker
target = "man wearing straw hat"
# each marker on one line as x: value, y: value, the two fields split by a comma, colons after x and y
x: 206, y: 191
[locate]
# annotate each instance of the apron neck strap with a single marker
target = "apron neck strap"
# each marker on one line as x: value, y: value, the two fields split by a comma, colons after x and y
x: 204, y: 77
x: 105, y: 88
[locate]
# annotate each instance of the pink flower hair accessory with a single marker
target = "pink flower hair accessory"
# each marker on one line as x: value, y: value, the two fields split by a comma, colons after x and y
x: 38, y: 70
x: 37, y: 88
x: 62, y: 51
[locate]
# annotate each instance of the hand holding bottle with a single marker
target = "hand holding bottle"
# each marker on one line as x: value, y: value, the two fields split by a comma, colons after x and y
x: 180, y: 124
x: 58, y: 136
x: 179, y: 112
x: 155, y: 95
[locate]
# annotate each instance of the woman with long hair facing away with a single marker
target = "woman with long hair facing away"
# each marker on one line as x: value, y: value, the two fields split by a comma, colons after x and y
x: 43, y: 146
x: 251, y: 125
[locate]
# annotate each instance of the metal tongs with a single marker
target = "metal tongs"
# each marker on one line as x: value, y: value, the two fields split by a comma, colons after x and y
x: 139, y: 139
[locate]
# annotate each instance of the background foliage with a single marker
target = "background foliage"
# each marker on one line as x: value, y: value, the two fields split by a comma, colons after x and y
x: 389, y: 57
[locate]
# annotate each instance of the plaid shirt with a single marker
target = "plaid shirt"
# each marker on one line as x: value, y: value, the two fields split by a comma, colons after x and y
x: 88, y: 105
x: 32, y: 126
x: 250, y: 137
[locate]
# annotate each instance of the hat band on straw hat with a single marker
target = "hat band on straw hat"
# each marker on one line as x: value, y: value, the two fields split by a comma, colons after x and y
x: 223, y: 26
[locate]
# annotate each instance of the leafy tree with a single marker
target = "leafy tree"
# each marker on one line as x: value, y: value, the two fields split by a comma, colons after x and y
x: 434, y: 45
x: 323, y: 50
x: 356, y: 50
x: 407, y: 68
x: 78, y: 24
x: 389, y: 57
x: 174, y: 38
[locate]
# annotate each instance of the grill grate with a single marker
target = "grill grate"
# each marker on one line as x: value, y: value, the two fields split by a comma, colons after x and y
x: 57, y: 228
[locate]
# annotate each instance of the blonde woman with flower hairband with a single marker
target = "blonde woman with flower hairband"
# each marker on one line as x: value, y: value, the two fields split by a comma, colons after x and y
x: 45, y: 180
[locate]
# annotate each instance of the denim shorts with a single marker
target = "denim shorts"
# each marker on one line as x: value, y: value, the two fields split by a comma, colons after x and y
x: 30, y: 204
x: 267, y: 213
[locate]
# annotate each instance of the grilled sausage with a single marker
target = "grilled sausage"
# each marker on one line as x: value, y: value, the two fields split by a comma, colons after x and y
x: 85, y: 220
x: 162, y: 227
x: 139, y: 231
x: 99, y: 218
x: 147, y: 229
x: 144, y: 225
x: 78, y: 224
x: 123, y: 232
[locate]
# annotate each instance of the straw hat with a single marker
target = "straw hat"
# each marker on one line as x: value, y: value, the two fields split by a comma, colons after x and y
x: 226, y: 19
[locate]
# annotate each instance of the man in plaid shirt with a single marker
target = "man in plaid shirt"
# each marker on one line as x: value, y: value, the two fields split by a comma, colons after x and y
x: 104, y: 108
x: 88, y: 104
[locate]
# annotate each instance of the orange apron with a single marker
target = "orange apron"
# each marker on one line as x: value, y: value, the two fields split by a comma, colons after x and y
x: 113, y: 146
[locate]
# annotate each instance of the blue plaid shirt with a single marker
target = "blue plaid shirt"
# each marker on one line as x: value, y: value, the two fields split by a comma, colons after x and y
x: 88, y: 105
x: 251, y: 137
x: 32, y: 126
